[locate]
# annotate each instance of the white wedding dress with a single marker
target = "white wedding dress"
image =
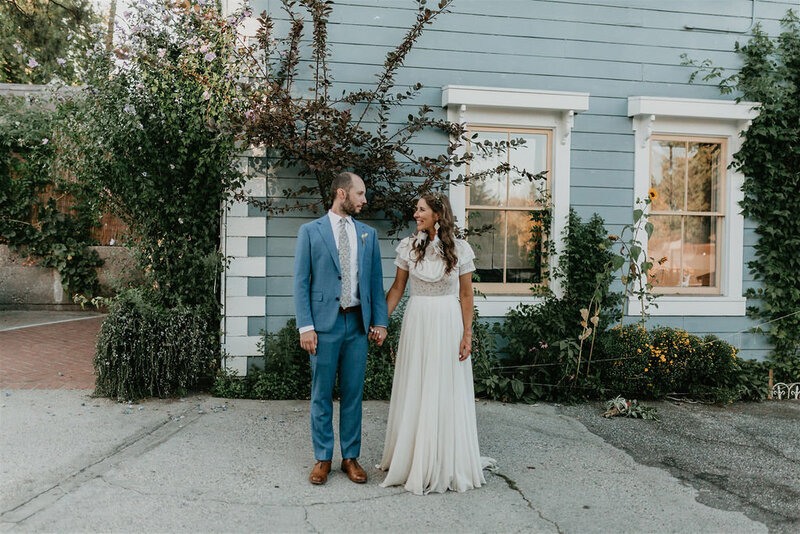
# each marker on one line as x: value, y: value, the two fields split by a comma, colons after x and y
x: 432, y: 437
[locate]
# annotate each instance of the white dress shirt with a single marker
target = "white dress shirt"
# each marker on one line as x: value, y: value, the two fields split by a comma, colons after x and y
x: 350, y: 228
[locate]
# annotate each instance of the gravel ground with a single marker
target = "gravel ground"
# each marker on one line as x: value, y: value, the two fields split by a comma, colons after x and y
x: 742, y: 457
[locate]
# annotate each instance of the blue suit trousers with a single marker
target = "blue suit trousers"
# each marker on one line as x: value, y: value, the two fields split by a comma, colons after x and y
x: 342, y: 350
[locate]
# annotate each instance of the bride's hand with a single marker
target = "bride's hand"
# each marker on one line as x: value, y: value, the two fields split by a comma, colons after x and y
x: 466, y: 347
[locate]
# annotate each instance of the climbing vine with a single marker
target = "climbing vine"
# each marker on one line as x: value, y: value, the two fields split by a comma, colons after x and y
x: 44, y: 216
x: 770, y: 161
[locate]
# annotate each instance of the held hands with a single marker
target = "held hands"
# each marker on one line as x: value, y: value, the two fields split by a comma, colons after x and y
x: 377, y: 334
x: 308, y: 341
x: 465, y: 349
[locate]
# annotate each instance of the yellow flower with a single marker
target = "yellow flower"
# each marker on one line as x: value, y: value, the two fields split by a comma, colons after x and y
x: 652, y: 194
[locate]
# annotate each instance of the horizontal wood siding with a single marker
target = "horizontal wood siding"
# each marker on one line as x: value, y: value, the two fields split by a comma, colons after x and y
x: 611, y: 49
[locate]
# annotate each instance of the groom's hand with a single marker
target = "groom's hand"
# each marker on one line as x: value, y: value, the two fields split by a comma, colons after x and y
x: 308, y: 341
x: 377, y: 334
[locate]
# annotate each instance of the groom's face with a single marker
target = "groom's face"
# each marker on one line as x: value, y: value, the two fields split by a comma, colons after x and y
x: 356, y: 197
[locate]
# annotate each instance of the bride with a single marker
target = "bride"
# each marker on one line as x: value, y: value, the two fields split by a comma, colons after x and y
x: 432, y: 438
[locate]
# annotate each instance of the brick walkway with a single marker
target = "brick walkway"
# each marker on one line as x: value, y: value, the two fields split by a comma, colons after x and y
x: 33, y: 357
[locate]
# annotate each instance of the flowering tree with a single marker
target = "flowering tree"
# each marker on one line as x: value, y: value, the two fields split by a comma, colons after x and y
x: 43, y: 39
x: 154, y: 134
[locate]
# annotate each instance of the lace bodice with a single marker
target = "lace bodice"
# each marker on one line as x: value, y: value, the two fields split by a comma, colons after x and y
x: 427, y: 277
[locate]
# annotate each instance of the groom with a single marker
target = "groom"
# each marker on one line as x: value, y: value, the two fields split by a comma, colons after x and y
x: 338, y: 298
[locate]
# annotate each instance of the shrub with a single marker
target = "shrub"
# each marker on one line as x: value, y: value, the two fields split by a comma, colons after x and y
x: 668, y: 360
x: 627, y: 354
x: 540, y: 356
x: 753, y: 380
x: 144, y: 350
x: 287, y: 370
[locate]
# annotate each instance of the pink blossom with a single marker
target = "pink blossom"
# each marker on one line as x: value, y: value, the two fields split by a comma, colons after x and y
x: 210, y: 56
x: 45, y: 141
x: 203, y: 49
x: 32, y: 63
x: 161, y: 52
x: 60, y: 60
x: 206, y: 95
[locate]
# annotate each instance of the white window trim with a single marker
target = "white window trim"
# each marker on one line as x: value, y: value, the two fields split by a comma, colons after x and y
x: 696, y: 117
x: 519, y: 108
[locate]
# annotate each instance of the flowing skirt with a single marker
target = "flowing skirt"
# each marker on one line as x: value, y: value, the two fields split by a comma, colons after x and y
x: 431, y: 437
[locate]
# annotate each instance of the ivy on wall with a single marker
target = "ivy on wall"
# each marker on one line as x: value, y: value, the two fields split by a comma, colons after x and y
x: 770, y: 161
x: 44, y: 216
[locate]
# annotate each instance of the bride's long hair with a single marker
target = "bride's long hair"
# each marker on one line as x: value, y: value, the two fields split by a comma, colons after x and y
x: 440, y: 205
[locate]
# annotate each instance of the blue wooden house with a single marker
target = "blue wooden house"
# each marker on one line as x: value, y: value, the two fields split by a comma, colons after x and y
x: 598, y: 91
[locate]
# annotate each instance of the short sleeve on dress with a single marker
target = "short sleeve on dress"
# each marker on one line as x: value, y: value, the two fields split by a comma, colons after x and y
x: 466, y: 257
x: 403, y: 254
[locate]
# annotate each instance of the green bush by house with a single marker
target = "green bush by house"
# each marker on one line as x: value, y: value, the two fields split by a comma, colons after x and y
x: 144, y: 350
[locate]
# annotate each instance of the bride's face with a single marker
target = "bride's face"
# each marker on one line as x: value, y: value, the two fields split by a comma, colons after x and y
x: 425, y: 217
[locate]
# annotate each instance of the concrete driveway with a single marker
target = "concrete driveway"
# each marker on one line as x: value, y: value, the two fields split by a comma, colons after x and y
x: 73, y: 463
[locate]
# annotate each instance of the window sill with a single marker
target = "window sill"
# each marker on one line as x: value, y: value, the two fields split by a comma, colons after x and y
x: 499, y: 305
x: 692, y: 305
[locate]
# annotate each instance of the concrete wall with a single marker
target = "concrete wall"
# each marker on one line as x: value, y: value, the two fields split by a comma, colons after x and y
x: 25, y: 286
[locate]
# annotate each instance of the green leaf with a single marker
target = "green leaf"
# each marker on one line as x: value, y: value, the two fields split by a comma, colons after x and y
x: 518, y: 387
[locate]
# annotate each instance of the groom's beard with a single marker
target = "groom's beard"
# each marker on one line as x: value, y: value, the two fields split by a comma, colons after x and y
x: 349, y: 208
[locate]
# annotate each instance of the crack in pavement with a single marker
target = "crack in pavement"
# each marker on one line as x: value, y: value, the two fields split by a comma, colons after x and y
x: 202, y: 498
x: 307, y: 522
x: 353, y: 501
x: 513, y: 485
x: 134, y: 446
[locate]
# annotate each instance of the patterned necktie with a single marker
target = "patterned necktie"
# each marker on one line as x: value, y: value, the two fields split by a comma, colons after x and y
x: 344, y: 262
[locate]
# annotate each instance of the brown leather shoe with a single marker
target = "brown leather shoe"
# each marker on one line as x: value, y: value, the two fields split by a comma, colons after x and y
x: 354, y: 471
x: 319, y: 475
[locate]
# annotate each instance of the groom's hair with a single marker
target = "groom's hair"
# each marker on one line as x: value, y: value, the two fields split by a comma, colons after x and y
x: 343, y: 180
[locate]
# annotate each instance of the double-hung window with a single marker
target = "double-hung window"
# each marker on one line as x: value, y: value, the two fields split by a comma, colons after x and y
x: 687, y: 176
x: 683, y: 150
x: 510, y: 258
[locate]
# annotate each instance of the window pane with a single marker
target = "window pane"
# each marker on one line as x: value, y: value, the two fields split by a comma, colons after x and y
x: 665, y: 244
x: 700, y: 252
x: 532, y: 157
x: 489, y: 245
x: 524, y: 260
x: 705, y: 161
x: 667, y: 172
x: 491, y: 190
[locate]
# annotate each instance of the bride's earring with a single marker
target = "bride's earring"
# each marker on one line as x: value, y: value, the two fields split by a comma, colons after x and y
x: 436, y: 226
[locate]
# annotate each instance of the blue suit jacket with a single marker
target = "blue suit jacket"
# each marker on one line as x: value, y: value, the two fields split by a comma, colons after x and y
x: 318, y: 280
